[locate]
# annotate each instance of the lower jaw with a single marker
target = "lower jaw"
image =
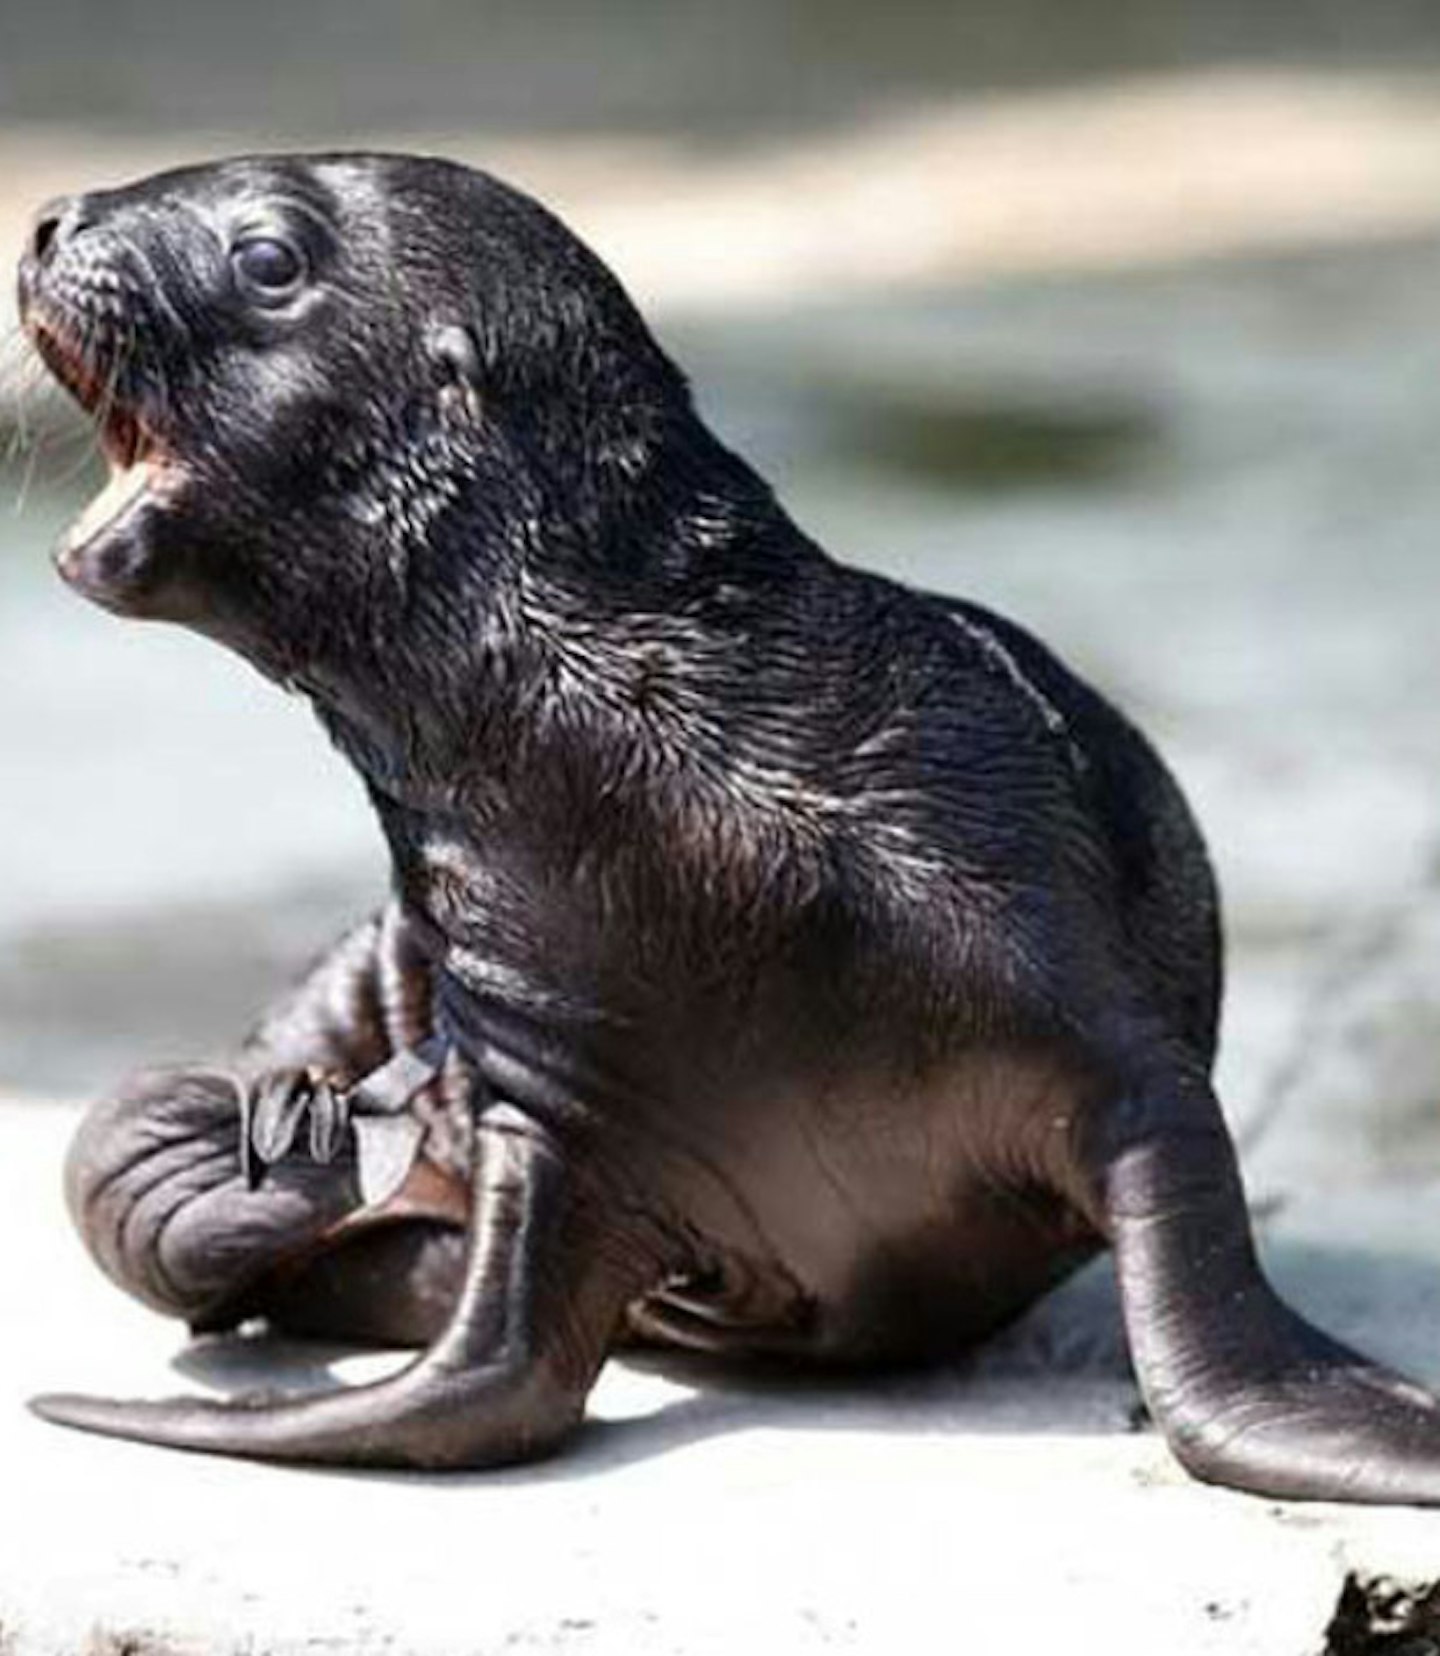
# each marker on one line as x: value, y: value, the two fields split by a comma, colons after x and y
x: 108, y: 555
x: 107, y: 572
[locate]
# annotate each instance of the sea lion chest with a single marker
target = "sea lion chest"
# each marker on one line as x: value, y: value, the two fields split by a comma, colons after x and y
x: 763, y: 1060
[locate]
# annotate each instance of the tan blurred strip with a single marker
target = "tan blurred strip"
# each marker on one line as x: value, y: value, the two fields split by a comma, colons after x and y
x: 1125, y: 174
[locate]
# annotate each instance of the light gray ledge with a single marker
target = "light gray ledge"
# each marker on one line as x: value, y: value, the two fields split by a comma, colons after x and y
x: 1005, y: 1507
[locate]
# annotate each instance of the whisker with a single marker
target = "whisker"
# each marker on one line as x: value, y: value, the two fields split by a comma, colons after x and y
x: 28, y: 439
x: 91, y: 439
x: 29, y: 387
x: 90, y: 450
x: 13, y: 363
x: 27, y: 478
x: 105, y: 353
x: 20, y: 371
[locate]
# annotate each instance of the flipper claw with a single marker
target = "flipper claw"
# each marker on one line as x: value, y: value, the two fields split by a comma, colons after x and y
x: 387, y: 1140
x: 280, y: 1100
x: 329, y: 1117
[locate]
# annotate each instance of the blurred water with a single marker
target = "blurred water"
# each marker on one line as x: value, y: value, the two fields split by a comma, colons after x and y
x: 1214, y: 490
x: 351, y: 67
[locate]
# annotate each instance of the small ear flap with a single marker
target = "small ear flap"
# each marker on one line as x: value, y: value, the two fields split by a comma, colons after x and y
x: 456, y: 355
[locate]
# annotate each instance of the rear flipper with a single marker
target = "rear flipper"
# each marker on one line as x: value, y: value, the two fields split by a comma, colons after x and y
x: 549, y: 1272
x: 389, y: 1284
x: 1247, y: 1393
x: 154, y: 1184
x: 178, y: 1206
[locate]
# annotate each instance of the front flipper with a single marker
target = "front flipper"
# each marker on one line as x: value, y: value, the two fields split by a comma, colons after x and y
x: 1247, y: 1393
x: 349, y: 1230
x: 153, y: 1183
x: 547, y: 1280
x: 375, y: 1112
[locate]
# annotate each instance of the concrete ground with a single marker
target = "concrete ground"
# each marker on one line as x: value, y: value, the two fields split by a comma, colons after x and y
x: 1015, y: 1502
x: 1010, y: 1505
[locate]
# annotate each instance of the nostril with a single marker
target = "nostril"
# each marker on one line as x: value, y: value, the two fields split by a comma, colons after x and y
x: 43, y: 237
x: 55, y: 223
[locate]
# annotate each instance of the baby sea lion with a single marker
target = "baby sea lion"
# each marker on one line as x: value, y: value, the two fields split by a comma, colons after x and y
x: 825, y: 970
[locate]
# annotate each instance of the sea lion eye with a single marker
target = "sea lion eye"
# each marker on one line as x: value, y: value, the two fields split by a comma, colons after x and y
x: 269, y: 268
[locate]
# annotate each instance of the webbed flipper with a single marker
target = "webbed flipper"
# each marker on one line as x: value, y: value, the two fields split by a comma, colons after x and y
x: 1247, y: 1392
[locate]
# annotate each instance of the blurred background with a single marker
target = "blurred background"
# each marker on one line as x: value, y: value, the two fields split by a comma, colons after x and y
x: 1121, y: 316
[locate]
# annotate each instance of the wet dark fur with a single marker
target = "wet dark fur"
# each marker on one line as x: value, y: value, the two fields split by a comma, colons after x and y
x: 830, y: 969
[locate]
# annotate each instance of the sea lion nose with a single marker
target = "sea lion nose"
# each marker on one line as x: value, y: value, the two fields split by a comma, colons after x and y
x: 55, y: 223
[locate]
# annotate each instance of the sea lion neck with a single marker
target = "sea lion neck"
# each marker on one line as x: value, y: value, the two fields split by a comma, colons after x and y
x: 508, y: 630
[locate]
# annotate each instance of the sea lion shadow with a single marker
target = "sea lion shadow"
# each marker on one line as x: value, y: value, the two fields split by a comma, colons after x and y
x: 1062, y: 1368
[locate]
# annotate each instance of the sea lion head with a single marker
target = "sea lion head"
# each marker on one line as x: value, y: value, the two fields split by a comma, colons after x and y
x: 325, y: 384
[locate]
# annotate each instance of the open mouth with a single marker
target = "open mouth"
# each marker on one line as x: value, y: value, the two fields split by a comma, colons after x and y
x: 133, y: 454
